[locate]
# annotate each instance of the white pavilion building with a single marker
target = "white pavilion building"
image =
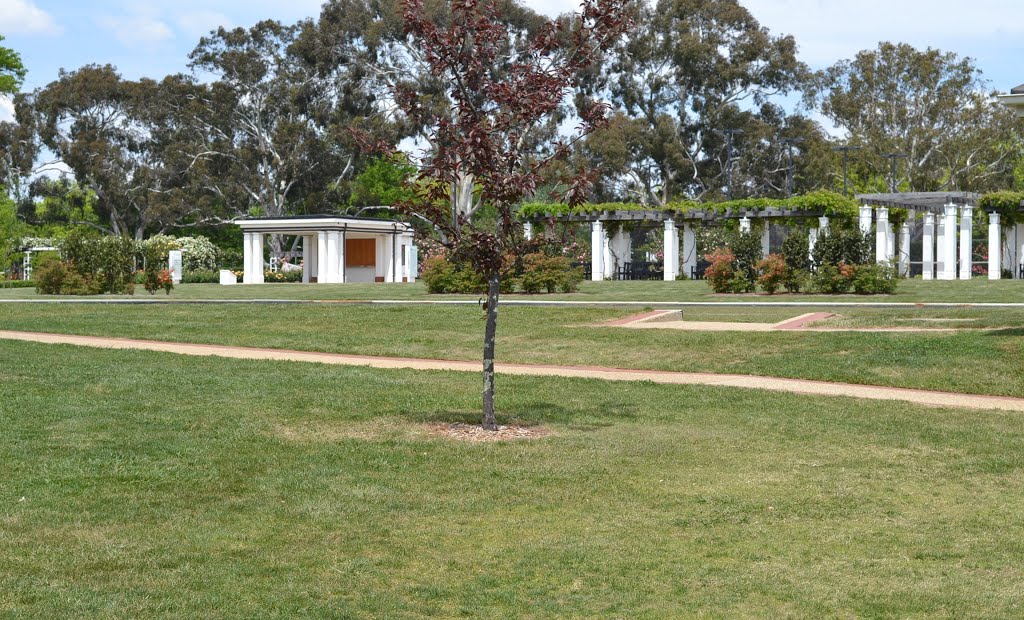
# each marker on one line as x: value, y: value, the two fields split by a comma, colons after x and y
x: 335, y: 249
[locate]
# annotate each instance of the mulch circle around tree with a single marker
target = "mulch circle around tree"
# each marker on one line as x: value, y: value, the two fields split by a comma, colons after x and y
x: 476, y: 433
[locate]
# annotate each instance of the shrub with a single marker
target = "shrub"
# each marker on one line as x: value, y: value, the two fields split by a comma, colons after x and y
x: 796, y: 251
x: 771, y: 273
x: 272, y: 277
x: 746, y: 247
x: 443, y: 276
x: 795, y: 279
x: 877, y: 279
x: 50, y: 277
x: 833, y: 279
x: 720, y: 272
x: 838, y: 245
x: 203, y: 276
x: 197, y: 254
x: 543, y: 273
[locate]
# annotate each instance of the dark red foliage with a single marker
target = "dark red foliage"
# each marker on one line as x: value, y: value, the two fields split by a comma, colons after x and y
x: 500, y: 92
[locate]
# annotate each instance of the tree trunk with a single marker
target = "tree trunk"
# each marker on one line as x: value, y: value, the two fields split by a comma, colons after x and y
x: 493, y: 288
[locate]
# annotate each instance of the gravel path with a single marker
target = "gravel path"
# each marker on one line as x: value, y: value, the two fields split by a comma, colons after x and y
x: 795, y: 386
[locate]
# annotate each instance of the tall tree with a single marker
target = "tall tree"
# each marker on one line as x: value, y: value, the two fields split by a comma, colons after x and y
x: 111, y: 133
x: 680, y: 78
x: 503, y: 89
x: 271, y: 131
x: 371, y: 34
x: 12, y: 70
x: 933, y: 107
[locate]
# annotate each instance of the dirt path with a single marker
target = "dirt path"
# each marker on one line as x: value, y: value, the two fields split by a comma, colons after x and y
x: 795, y: 386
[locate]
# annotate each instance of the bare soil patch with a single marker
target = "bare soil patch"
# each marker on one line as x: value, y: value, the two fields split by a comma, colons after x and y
x: 475, y: 433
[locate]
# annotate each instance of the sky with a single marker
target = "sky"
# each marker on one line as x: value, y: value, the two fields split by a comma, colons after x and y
x: 153, y: 37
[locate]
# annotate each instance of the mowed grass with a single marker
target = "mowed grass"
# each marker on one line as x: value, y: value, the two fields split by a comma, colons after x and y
x: 977, y: 290
x: 140, y: 484
x: 985, y: 359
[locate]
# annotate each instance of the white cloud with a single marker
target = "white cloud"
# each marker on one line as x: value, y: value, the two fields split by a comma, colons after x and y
x: 830, y: 30
x: 24, y: 17
x: 136, y: 30
x: 196, y: 24
x: 6, y: 109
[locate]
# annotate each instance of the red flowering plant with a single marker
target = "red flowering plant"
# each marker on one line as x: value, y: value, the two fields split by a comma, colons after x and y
x: 771, y: 273
x: 721, y: 271
x: 165, y: 280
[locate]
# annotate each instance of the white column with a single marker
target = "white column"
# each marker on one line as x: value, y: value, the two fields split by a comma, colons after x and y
x: 995, y: 247
x: 257, y: 257
x: 620, y: 247
x: 1017, y: 242
x: 390, y: 266
x: 314, y: 260
x: 247, y: 258
x: 597, y: 243
x: 307, y: 254
x: 948, y: 242
x: 689, y: 250
x: 322, y: 272
x: 865, y: 219
x: 745, y: 224
x: 332, y: 257
x: 966, y: 241
x: 905, y: 243
x: 882, y: 236
x: 528, y: 230
x: 342, y: 274
x: 670, y: 251
x: 766, y: 239
x: 928, y: 247
x: 812, y: 240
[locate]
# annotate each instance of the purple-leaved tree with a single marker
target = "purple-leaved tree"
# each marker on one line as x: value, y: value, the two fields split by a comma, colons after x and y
x: 503, y: 89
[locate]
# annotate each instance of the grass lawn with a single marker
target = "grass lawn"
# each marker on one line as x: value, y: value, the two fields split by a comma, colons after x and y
x: 977, y: 360
x: 976, y: 291
x: 141, y: 484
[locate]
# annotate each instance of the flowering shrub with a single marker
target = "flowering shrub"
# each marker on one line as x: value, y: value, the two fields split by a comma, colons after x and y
x: 771, y: 273
x: 165, y: 280
x: 833, y: 279
x: 197, y: 254
x: 282, y: 276
x: 720, y: 272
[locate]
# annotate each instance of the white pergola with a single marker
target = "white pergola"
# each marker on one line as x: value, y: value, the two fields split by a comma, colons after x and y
x: 947, y: 220
x: 335, y: 249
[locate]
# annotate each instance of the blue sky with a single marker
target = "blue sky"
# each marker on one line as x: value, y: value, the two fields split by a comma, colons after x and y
x: 153, y: 37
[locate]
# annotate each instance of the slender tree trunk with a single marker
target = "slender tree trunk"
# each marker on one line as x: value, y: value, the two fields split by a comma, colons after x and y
x: 493, y: 288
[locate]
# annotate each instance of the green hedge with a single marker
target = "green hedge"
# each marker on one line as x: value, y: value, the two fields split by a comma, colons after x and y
x: 830, y: 203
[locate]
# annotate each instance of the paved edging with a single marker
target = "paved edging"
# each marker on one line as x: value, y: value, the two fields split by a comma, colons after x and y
x: 522, y: 302
x: 795, y: 386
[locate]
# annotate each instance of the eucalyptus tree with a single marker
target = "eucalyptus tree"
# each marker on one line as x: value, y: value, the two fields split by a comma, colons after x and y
x: 12, y: 70
x: 932, y: 106
x: 107, y: 131
x: 371, y: 33
x: 271, y: 129
x: 688, y: 70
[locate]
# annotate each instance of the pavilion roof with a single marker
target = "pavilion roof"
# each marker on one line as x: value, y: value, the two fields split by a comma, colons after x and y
x: 1017, y: 91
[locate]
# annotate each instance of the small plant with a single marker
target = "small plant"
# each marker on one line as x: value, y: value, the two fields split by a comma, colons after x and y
x: 165, y: 280
x: 795, y: 279
x: 771, y: 273
x: 720, y: 272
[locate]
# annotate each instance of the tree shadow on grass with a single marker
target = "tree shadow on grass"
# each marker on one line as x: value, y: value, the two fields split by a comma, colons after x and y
x: 1009, y: 331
